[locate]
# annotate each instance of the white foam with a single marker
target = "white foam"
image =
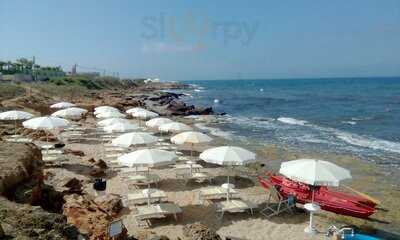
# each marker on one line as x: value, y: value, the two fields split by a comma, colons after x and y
x: 349, y: 122
x: 214, y: 131
x: 369, y: 142
x: 292, y: 121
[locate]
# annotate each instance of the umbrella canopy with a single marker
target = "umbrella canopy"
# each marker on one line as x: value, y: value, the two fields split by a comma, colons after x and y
x: 104, y: 109
x: 190, y: 137
x: 144, y: 114
x: 228, y: 155
x: 62, y: 105
x: 147, y: 157
x: 135, y: 109
x: 15, y: 115
x: 156, y: 122
x: 120, y: 127
x: 174, y: 127
x: 110, y: 114
x: 46, y: 123
x: 314, y: 172
x: 72, y: 113
x: 111, y: 121
x: 134, y: 138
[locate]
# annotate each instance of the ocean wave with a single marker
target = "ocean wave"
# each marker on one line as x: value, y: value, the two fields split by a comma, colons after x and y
x: 349, y: 122
x: 369, y: 142
x: 292, y: 121
x: 214, y: 131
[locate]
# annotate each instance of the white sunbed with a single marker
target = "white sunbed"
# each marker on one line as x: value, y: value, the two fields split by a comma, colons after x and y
x: 162, y: 210
x: 52, y: 151
x: 146, y: 179
x: 125, y: 172
x: 139, y: 197
x: 235, y: 206
x: 215, y: 193
x: 195, y: 167
x: 53, y: 158
x: 19, y: 140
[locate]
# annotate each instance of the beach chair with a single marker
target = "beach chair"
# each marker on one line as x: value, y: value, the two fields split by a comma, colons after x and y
x: 19, y: 140
x: 144, y: 180
x: 215, y: 193
x: 52, y: 152
x: 126, y: 172
x: 279, y: 205
x: 140, y: 198
x: 145, y: 213
x: 235, y: 206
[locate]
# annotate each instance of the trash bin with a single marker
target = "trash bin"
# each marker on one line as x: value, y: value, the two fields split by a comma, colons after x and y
x: 100, y: 184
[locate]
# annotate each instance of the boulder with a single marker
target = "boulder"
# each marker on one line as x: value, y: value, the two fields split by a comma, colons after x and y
x: 92, y: 217
x: 198, y: 231
x: 74, y: 152
x: 18, y: 163
x: 73, y: 185
x: 30, y: 222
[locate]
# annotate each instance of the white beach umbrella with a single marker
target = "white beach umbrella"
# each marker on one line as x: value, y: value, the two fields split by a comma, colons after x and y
x: 15, y: 115
x: 120, y: 127
x: 46, y: 123
x: 71, y: 113
x: 144, y: 114
x: 147, y: 157
x: 228, y: 156
x: 110, y: 114
x: 62, y: 105
x: 111, y: 121
x: 133, y: 138
x: 314, y: 172
x: 174, y: 127
x: 191, y: 138
x: 105, y: 108
x: 156, y: 122
x: 135, y: 109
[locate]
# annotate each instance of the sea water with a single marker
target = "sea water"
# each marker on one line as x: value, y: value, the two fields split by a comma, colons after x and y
x: 354, y: 115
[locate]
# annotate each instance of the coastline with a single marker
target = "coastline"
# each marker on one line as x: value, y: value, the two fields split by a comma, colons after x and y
x: 366, y: 178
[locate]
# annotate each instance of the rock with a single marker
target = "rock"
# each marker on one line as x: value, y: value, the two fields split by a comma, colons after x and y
x: 74, y: 152
x: 92, y: 217
x: 198, y: 231
x: 101, y: 164
x: 74, y: 186
x: 18, y: 162
x: 98, y: 172
x: 111, y: 203
x: 159, y: 238
x: 91, y: 160
x: 29, y: 222
x: 2, y: 234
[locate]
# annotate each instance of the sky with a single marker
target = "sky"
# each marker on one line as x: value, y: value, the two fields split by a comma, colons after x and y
x: 203, y: 40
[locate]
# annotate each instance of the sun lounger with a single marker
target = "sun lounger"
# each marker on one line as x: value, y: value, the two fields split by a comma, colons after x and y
x: 145, y: 180
x: 19, y: 140
x: 112, y: 155
x: 47, y: 146
x: 234, y: 206
x: 162, y: 210
x: 140, y: 198
x: 52, y: 152
x: 215, y: 193
x: 134, y: 171
x: 54, y: 158
x: 279, y: 205
x: 195, y: 167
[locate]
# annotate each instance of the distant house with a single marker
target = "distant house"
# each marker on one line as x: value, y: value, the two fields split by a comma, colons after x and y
x: 44, y: 73
x: 154, y: 80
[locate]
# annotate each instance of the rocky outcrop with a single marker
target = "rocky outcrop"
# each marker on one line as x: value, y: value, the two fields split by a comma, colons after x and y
x: 92, y: 216
x: 22, y: 221
x: 18, y: 163
x: 198, y: 231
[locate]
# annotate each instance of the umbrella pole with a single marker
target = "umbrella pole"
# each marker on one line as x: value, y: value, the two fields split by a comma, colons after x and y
x: 227, y: 191
x: 47, y: 143
x: 15, y: 126
x: 148, y: 194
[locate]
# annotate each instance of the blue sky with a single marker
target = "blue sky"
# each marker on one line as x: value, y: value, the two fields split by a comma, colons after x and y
x: 182, y: 40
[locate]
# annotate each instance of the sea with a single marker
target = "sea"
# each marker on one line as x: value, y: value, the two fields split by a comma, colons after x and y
x: 358, y: 116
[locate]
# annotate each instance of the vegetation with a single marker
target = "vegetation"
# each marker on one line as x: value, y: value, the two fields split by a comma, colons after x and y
x: 23, y: 65
x: 10, y: 90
